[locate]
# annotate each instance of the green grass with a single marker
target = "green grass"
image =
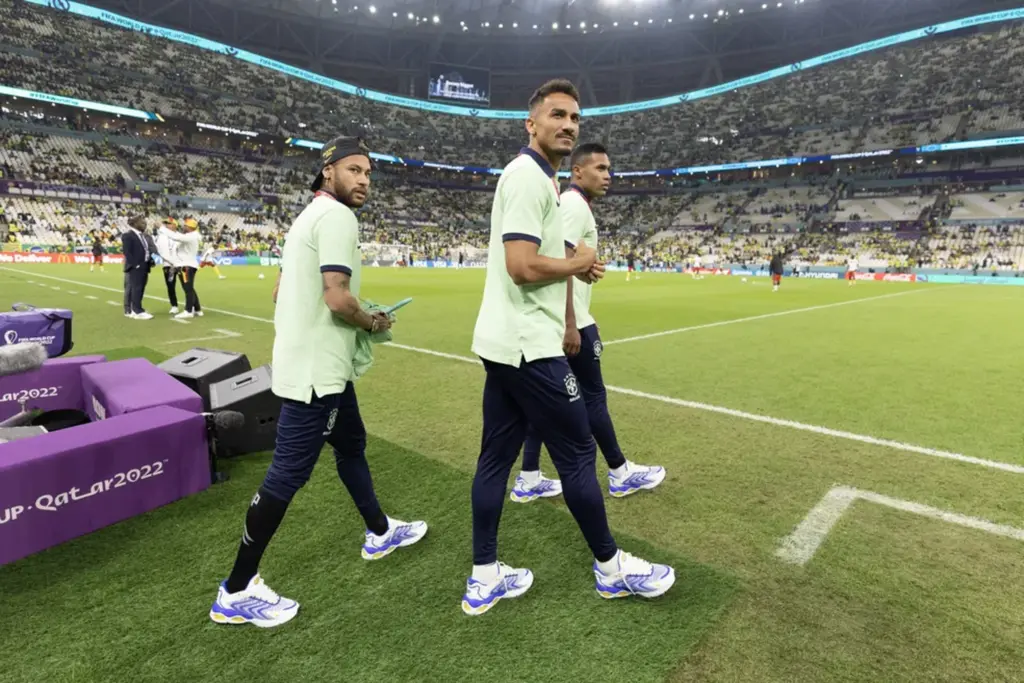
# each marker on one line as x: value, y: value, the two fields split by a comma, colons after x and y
x: 888, y: 597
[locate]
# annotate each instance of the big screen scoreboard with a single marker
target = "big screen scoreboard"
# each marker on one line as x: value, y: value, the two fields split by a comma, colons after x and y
x: 463, y: 84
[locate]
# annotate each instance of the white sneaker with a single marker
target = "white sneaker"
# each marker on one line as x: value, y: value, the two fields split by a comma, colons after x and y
x: 634, y: 576
x: 129, y: 315
x: 142, y: 316
x: 511, y: 583
x: 199, y: 313
x: 526, y: 491
x: 257, y: 604
x: 223, y: 277
x: 174, y: 309
x: 184, y: 315
x: 398, y: 535
x: 634, y: 478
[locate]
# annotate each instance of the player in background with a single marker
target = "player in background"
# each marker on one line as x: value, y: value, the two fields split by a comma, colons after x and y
x: 851, y: 270
x: 207, y: 259
x: 695, y: 271
x: 97, y: 251
x: 591, y: 176
x: 776, y: 268
x: 631, y: 265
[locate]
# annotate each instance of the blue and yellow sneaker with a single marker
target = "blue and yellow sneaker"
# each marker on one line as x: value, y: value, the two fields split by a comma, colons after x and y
x: 257, y: 604
x: 526, y: 491
x: 633, y: 478
x: 634, y: 576
x: 511, y: 583
x: 398, y: 535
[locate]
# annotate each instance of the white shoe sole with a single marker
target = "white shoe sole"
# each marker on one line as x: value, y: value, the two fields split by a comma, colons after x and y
x: 285, y: 617
x: 530, y: 497
x: 668, y: 582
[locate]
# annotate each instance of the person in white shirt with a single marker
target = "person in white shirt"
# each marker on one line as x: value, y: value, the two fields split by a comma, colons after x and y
x: 207, y: 261
x: 695, y: 272
x: 167, y: 249
x: 188, y: 265
x: 851, y: 270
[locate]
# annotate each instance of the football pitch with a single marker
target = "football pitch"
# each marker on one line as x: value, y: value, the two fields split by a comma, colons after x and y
x: 843, y: 500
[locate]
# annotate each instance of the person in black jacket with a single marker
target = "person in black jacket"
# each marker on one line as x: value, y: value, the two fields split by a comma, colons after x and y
x: 138, y: 259
x: 776, y: 268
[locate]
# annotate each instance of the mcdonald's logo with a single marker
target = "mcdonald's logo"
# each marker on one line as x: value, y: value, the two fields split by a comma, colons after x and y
x: 65, y: 258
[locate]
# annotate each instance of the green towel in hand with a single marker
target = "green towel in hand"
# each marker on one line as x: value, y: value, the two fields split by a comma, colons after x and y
x: 365, y: 340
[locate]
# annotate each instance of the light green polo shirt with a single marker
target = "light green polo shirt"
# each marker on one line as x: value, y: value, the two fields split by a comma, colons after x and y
x: 579, y: 224
x: 529, y: 321
x: 313, y: 348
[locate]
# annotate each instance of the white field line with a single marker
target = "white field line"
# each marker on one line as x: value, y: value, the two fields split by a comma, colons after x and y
x: 90, y: 296
x: 790, y: 424
x: 180, y: 322
x: 722, y: 323
x: 801, y: 545
x: 222, y: 334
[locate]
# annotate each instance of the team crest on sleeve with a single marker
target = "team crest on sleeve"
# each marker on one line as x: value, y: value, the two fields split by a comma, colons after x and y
x: 572, y: 387
x: 598, y: 348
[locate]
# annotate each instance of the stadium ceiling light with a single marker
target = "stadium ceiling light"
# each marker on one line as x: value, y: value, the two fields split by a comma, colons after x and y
x: 615, y: 24
x: 741, y: 10
x: 355, y: 7
x: 721, y: 12
x: 410, y: 16
x: 765, y: 6
x: 515, y: 25
x: 554, y: 26
x: 394, y: 14
x: 650, y: 21
x: 501, y: 25
x: 705, y: 15
x: 691, y: 17
x: 535, y: 27
x: 595, y: 25
x: 567, y: 26
x: 670, y: 20
x: 462, y: 23
x: 373, y: 9
x: 636, y: 23
x: 583, y: 24
x: 779, y: 5
x: 436, y: 19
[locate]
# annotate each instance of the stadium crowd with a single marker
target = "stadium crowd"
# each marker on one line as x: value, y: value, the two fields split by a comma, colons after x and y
x: 906, y: 95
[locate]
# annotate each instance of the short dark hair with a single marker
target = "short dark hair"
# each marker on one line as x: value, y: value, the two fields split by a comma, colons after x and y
x: 555, y: 85
x: 585, y: 150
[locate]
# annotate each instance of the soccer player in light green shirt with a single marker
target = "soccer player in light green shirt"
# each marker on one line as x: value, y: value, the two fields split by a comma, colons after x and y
x: 316, y: 321
x: 519, y: 335
x: 591, y: 177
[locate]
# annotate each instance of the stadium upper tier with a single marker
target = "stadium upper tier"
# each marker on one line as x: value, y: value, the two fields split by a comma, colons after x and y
x: 904, y: 95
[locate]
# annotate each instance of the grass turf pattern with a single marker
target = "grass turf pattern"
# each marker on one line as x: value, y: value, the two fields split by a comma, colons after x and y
x: 888, y: 597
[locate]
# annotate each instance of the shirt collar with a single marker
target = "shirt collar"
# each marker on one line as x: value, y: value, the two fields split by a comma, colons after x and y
x: 584, y: 193
x: 541, y: 161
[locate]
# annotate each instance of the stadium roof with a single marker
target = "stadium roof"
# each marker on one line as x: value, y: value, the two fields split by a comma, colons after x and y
x: 616, y: 50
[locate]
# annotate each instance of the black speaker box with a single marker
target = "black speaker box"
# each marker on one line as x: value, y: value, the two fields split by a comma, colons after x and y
x: 199, y: 369
x: 249, y: 394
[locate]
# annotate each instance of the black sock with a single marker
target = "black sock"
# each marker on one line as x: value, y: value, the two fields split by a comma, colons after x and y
x: 377, y: 523
x: 261, y: 522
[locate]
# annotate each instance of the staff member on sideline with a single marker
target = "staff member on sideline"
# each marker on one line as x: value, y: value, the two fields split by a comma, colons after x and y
x: 137, y: 262
x: 316, y: 321
x: 187, y: 265
x: 166, y: 247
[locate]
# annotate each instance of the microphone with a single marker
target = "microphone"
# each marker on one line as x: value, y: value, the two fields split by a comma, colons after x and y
x: 22, y: 357
x: 226, y: 420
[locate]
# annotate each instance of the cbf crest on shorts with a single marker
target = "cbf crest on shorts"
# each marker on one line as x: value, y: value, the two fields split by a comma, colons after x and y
x: 598, y: 348
x: 331, y: 419
x: 571, y: 387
